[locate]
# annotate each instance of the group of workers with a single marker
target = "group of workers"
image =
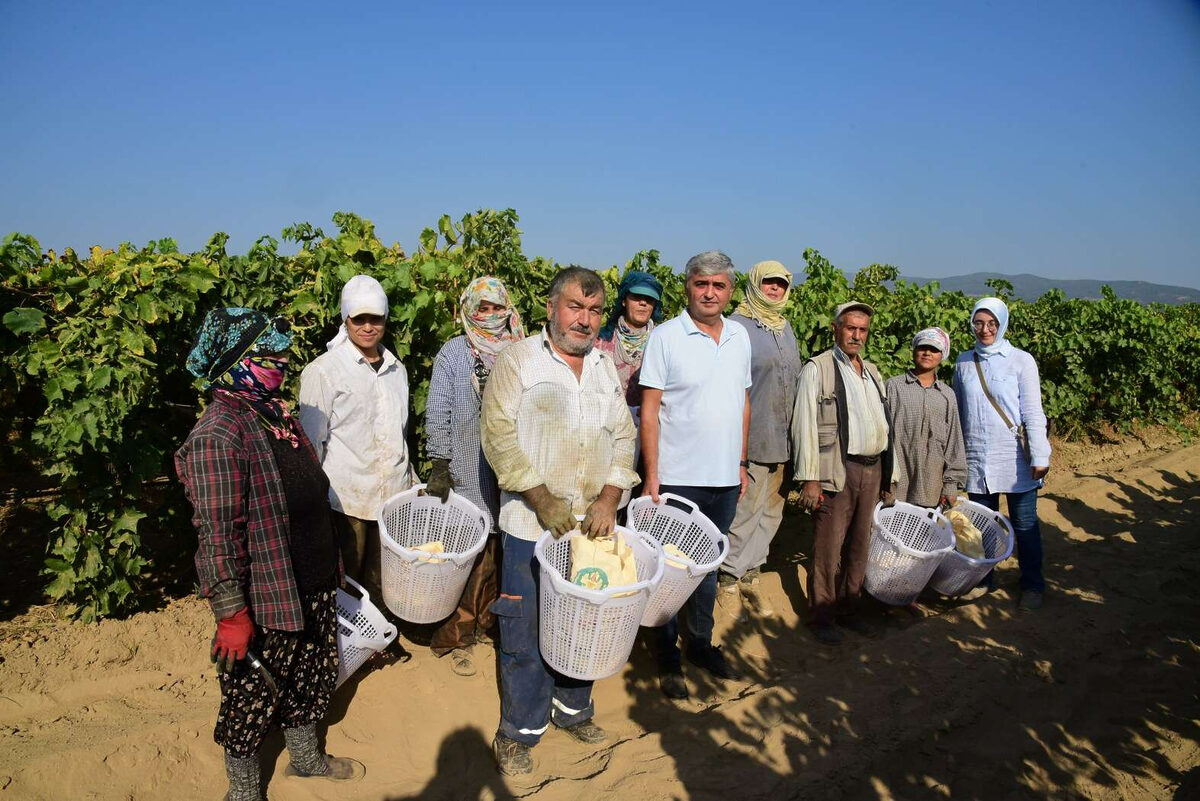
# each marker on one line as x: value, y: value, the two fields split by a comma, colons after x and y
x: 552, y: 432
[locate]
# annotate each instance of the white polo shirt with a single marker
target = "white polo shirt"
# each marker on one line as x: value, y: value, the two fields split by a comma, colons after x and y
x: 703, y: 387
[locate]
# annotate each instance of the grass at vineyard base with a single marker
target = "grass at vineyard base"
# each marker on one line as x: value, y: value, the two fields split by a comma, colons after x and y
x: 94, y: 345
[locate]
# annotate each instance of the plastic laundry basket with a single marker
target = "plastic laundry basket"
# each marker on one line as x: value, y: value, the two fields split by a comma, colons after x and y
x: 417, y: 586
x: 677, y: 521
x: 588, y: 634
x: 907, y: 544
x: 959, y: 573
x: 362, y: 630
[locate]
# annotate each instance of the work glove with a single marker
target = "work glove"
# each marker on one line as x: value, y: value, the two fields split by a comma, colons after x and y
x: 232, y: 640
x: 440, y: 481
x: 553, y: 513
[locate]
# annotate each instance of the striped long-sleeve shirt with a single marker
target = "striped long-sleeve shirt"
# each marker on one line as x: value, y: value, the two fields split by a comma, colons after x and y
x: 926, y: 439
x: 452, y: 427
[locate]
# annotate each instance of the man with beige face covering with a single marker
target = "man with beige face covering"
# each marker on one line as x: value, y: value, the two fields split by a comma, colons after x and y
x: 354, y: 408
x: 842, y: 456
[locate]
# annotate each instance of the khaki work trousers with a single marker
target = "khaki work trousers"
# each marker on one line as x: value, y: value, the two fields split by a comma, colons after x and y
x: 759, y: 513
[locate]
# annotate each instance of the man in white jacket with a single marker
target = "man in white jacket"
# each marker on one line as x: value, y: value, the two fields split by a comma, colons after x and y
x: 354, y: 408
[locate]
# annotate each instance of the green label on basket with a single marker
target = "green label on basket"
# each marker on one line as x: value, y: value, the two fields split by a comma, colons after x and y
x: 592, y: 578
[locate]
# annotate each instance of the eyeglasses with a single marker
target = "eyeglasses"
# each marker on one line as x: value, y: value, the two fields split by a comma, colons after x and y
x: 986, y: 325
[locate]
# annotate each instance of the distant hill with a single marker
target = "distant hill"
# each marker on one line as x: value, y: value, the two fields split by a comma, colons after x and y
x: 1032, y: 287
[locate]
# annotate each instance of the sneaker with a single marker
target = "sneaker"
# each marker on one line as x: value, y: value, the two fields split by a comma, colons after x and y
x: 512, y: 758
x: 672, y: 684
x: 711, y: 659
x: 827, y: 633
x: 587, y: 732
x: 461, y: 663
x: 752, y: 593
x: 858, y: 625
x: 1031, y: 601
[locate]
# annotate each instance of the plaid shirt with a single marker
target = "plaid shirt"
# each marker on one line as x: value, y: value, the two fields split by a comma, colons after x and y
x: 229, y: 474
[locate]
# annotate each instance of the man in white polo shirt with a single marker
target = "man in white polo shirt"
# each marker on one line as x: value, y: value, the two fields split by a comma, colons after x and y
x: 695, y: 419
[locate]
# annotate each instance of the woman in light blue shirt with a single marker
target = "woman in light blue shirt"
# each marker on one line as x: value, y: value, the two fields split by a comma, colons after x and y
x: 996, y: 459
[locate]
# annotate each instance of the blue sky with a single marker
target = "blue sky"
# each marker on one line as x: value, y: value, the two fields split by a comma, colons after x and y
x: 1054, y: 138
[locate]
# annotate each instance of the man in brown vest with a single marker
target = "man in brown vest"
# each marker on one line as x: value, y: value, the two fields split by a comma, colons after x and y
x: 842, y: 454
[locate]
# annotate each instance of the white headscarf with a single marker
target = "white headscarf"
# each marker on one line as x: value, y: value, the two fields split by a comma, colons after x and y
x: 1000, y: 311
x: 362, y: 294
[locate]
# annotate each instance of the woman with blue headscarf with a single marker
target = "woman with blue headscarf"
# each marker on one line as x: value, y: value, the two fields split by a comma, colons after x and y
x: 1004, y: 430
x: 267, y: 555
x: 624, y: 337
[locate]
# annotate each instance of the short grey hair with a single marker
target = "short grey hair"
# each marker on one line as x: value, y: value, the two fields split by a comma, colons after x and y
x: 589, y: 282
x: 710, y: 262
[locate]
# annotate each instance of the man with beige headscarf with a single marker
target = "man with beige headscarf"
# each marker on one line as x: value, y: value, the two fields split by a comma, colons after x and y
x: 774, y: 367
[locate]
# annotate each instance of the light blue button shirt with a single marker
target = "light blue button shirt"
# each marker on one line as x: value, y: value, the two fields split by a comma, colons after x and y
x: 995, y: 462
x: 703, y: 385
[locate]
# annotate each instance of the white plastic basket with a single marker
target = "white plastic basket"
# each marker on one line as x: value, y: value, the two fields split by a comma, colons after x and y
x: 907, y: 544
x: 362, y: 630
x: 677, y: 521
x: 959, y: 573
x: 417, y: 586
x: 588, y: 634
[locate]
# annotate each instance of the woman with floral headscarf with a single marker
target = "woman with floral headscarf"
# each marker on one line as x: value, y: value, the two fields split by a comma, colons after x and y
x: 267, y: 556
x: 1004, y: 429
x: 774, y: 368
x: 624, y: 336
x: 490, y: 323
x: 931, y: 465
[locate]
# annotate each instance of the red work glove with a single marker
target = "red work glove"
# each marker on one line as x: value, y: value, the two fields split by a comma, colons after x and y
x: 232, y: 640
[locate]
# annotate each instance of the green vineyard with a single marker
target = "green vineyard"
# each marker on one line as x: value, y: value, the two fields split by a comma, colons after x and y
x: 95, y: 396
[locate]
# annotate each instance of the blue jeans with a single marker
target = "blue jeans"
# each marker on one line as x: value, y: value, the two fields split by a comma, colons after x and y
x: 531, y: 694
x: 718, y: 504
x: 1022, y: 512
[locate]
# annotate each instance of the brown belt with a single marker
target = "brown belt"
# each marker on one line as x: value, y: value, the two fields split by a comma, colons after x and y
x: 864, y: 460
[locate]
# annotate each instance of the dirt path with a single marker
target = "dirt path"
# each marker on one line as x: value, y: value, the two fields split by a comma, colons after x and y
x: 1094, y: 697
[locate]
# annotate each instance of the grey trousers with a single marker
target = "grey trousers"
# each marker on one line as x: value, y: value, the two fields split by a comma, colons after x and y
x: 759, y: 513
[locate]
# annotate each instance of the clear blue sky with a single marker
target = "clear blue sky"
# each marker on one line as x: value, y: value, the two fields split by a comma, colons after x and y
x: 1058, y: 138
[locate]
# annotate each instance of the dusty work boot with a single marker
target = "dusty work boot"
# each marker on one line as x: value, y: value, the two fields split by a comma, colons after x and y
x: 753, y: 594
x: 1031, y: 601
x: 512, y: 758
x: 672, y: 684
x: 729, y: 596
x: 244, y: 781
x: 587, y: 732
x: 461, y: 662
x: 306, y: 761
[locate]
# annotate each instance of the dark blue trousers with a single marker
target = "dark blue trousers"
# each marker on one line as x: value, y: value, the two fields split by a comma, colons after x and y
x: 531, y: 694
x: 718, y: 504
x: 1022, y: 512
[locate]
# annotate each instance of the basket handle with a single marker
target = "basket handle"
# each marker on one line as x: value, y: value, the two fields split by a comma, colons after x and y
x: 362, y: 591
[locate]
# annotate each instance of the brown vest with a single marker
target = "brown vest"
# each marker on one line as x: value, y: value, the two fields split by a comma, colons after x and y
x: 831, y: 421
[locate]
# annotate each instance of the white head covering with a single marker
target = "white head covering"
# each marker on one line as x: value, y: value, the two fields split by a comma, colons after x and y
x: 1000, y: 311
x: 362, y: 294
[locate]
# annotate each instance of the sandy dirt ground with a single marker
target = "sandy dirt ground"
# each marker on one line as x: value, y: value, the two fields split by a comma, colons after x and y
x: 1095, y: 697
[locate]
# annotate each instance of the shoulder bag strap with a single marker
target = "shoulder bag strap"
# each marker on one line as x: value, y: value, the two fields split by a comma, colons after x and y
x: 988, y: 393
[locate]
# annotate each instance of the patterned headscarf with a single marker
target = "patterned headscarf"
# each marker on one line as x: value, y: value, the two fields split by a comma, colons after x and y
x: 936, y: 337
x: 757, y: 305
x: 238, y: 352
x: 998, y: 308
x: 488, y: 334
